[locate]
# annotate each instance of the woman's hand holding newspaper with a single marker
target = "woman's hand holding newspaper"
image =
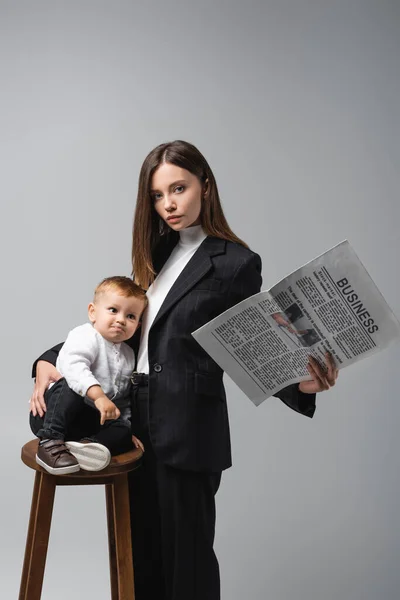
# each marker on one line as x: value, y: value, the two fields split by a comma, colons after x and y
x: 321, y: 379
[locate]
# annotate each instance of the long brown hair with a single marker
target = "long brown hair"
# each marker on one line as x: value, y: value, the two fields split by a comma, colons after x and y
x: 149, y: 230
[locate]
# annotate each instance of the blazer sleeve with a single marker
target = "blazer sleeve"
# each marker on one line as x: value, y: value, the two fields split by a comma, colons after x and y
x: 49, y: 356
x: 246, y: 282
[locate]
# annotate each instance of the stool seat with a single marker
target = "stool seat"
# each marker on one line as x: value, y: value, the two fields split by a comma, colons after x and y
x: 115, y: 479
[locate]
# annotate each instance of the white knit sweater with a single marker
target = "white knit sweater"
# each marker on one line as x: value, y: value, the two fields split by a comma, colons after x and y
x: 87, y: 359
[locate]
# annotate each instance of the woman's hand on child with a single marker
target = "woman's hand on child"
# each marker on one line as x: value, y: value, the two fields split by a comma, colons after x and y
x: 321, y: 379
x: 46, y: 373
x: 137, y: 443
x: 107, y: 409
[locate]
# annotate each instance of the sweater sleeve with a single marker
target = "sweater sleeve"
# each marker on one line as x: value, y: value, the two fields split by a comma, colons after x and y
x: 76, y: 359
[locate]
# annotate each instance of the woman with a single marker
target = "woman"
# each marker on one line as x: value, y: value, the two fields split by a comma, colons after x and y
x: 193, y: 267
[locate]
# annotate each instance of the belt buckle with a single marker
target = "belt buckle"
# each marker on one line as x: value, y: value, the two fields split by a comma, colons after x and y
x: 135, y: 378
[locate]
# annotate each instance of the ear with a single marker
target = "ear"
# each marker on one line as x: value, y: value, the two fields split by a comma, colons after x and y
x: 92, y: 312
x: 205, y: 188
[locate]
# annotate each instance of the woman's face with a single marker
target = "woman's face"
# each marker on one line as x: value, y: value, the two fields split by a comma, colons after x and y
x: 176, y: 195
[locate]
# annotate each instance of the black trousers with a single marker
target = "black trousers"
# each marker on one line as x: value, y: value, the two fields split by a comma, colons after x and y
x: 68, y: 417
x: 173, y: 524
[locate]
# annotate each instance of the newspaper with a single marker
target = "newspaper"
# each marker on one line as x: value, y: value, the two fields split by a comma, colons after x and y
x: 329, y: 304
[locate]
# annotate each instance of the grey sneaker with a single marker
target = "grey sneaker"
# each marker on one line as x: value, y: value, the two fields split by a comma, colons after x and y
x: 91, y: 456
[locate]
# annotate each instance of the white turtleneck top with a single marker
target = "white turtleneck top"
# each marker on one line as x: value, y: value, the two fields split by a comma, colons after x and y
x: 189, y: 240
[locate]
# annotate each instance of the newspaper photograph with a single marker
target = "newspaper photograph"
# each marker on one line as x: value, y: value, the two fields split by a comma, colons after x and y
x: 329, y: 304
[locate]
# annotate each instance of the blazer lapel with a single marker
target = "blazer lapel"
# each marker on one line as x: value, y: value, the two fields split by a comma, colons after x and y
x: 195, y: 269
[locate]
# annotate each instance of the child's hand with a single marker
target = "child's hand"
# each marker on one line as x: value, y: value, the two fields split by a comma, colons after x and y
x: 137, y: 443
x: 107, y: 409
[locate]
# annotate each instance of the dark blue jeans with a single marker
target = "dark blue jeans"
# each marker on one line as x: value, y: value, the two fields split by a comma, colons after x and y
x: 68, y: 417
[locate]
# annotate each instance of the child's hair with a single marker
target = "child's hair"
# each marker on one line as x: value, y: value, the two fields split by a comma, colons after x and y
x: 123, y: 285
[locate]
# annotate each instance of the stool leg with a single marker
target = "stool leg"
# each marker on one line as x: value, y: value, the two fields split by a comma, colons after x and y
x: 120, y: 542
x: 38, y: 537
x: 112, y: 551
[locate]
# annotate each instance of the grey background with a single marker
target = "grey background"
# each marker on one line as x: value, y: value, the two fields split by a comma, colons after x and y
x: 295, y: 105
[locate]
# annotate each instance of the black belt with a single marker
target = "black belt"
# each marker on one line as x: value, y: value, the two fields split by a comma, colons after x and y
x: 139, y: 378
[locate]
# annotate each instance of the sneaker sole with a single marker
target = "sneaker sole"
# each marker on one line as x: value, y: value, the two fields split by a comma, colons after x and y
x: 59, y: 470
x: 90, y: 456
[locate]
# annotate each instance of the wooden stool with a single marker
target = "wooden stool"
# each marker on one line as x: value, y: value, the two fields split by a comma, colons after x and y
x: 115, y: 479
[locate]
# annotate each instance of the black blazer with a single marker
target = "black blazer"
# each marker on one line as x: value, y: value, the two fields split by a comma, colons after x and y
x: 189, y: 425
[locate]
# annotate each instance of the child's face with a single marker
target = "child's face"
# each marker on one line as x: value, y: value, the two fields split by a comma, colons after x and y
x: 114, y: 316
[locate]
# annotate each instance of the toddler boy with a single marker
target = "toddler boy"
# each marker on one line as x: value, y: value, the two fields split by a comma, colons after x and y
x: 96, y: 366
